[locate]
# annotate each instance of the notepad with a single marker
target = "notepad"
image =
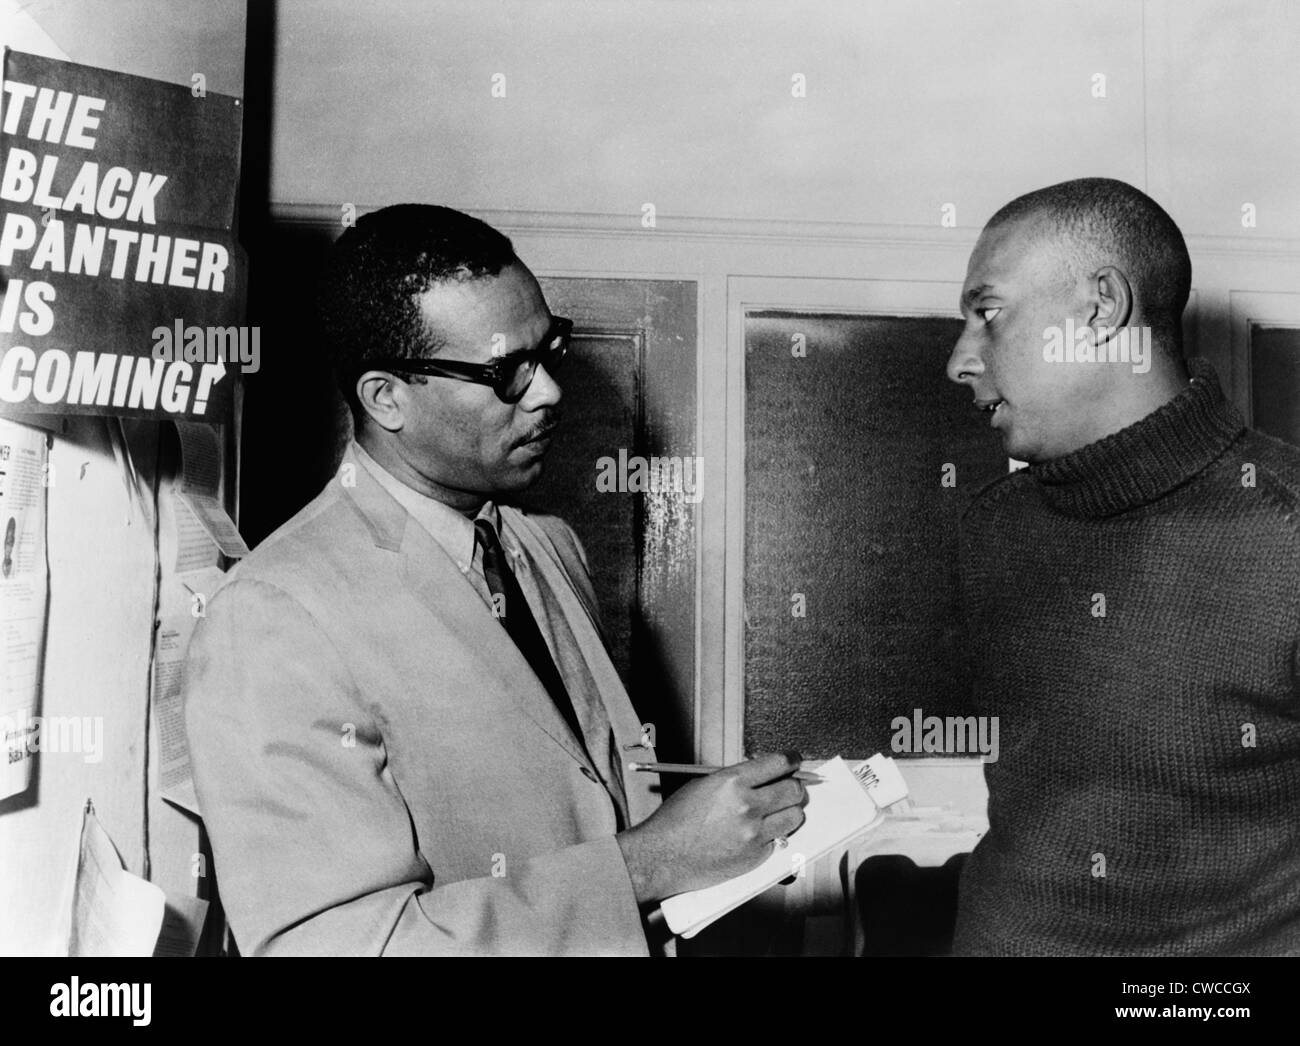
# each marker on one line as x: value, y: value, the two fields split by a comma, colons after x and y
x: 839, y: 807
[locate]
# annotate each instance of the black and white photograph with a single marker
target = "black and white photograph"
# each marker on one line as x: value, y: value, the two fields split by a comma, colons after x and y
x: 680, y: 479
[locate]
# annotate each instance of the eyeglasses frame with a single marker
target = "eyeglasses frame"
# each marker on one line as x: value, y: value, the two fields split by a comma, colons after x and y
x: 498, y: 374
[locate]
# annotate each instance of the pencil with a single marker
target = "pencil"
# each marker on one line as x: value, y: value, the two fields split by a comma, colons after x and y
x: 698, y: 769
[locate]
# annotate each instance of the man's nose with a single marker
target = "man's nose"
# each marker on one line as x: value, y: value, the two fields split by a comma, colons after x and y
x: 964, y: 363
x: 543, y: 391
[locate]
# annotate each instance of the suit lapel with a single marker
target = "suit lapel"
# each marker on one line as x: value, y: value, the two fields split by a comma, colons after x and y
x: 437, y: 581
x: 642, y: 789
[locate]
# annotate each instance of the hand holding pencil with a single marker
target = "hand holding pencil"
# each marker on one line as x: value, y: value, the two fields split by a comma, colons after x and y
x: 718, y: 826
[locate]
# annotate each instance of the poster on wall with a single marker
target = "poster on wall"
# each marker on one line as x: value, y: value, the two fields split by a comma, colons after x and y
x: 120, y: 280
x: 24, y: 589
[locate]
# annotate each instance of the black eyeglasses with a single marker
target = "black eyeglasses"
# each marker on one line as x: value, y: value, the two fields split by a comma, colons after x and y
x: 509, y: 376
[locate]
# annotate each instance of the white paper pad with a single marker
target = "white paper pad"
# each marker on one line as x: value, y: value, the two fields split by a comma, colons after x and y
x: 838, y: 809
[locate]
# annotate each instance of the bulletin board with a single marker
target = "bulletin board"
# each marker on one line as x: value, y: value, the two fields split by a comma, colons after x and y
x: 121, y: 307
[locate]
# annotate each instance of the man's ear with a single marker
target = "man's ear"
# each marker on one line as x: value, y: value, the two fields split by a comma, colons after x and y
x: 382, y: 399
x: 1112, y: 303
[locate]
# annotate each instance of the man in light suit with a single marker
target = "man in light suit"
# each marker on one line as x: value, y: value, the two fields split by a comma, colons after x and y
x: 406, y: 734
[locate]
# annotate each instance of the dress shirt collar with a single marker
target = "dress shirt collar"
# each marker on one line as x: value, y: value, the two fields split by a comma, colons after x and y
x: 453, y: 530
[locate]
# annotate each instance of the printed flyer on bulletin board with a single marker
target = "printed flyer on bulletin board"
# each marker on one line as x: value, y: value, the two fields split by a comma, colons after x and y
x: 24, y: 584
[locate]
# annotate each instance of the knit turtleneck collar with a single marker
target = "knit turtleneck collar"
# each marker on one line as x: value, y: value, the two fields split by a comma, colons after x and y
x: 1147, y: 459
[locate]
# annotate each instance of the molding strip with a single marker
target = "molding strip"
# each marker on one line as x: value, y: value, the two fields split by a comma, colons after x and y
x: 849, y: 234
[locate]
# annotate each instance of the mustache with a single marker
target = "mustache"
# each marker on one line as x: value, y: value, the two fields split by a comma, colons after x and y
x: 545, y: 424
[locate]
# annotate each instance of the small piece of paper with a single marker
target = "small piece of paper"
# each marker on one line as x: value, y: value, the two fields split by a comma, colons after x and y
x: 114, y: 913
x: 169, y: 712
x: 883, y: 780
x: 200, y: 486
x: 212, y: 514
x: 24, y: 593
x: 200, y: 457
x: 195, y: 549
x: 182, y: 927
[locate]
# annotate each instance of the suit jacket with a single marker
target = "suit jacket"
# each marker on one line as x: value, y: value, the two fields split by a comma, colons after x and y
x: 379, y: 769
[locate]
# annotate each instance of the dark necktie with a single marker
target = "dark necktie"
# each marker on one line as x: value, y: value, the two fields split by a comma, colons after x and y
x: 520, y: 624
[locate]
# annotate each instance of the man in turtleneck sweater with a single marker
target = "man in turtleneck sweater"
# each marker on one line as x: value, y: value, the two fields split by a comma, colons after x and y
x: 1133, y: 599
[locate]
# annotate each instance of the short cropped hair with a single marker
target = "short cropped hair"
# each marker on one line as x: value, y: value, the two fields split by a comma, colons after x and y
x: 1102, y: 221
x: 368, y: 295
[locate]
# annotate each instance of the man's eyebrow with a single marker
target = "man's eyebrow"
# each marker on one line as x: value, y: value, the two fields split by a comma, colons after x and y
x: 525, y: 349
x: 973, y: 295
x: 512, y: 354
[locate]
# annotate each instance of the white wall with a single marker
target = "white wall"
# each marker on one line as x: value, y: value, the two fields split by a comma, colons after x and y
x: 910, y: 104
